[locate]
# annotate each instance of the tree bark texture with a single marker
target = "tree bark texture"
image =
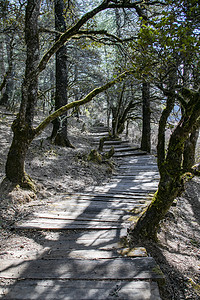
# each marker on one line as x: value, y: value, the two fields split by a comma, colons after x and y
x: 189, y: 150
x: 172, y: 175
x: 146, y: 118
x: 7, y: 84
x: 22, y: 126
x: 116, y: 113
x: 161, y: 130
x: 59, y: 133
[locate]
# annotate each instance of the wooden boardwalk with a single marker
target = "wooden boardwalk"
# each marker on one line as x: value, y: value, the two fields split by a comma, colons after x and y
x: 88, y: 259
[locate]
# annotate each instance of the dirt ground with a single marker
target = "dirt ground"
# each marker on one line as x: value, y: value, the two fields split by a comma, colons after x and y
x: 58, y: 170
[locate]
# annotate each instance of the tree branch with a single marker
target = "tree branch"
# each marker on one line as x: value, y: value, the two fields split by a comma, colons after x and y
x: 77, y: 103
x: 68, y: 34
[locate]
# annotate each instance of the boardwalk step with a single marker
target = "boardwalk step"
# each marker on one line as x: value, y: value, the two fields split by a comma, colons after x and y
x: 89, y: 259
x: 65, y: 251
x: 81, y: 289
x: 124, y: 149
x: 88, y: 269
x: 117, y: 146
x: 113, y: 142
x: 129, y: 153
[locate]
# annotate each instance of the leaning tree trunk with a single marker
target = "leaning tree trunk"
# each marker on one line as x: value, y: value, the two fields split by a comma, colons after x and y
x: 59, y: 134
x: 171, y: 170
x: 22, y: 126
x: 189, y: 150
x: 146, y: 118
x: 170, y: 185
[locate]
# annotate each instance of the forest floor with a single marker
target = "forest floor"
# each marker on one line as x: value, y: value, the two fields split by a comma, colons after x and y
x: 60, y: 170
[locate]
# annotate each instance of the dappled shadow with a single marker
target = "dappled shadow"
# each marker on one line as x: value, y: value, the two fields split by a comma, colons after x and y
x: 87, y: 253
x: 177, y: 252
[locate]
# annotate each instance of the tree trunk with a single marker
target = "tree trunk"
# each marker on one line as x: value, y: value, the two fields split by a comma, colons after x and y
x: 171, y: 170
x: 8, y: 83
x: 189, y: 150
x: 22, y: 126
x: 146, y: 118
x: 170, y: 185
x: 15, y: 170
x: 161, y: 130
x: 59, y: 134
x: 116, y: 111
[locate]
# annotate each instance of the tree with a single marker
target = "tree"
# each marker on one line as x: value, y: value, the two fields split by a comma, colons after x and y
x: 11, y: 29
x: 146, y: 118
x: 23, y: 131
x: 172, y: 175
x: 8, y: 82
x: 59, y: 134
x: 173, y: 172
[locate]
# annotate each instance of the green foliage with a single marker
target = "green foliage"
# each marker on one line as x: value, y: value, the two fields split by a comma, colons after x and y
x: 167, y: 39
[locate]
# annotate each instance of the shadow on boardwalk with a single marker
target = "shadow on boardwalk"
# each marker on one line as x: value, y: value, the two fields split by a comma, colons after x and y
x: 80, y: 260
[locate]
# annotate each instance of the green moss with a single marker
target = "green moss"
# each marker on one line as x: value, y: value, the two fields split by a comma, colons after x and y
x: 95, y: 156
x: 195, y: 285
x: 28, y: 183
x: 157, y: 270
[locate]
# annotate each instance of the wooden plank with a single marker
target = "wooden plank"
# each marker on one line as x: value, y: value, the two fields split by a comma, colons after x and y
x: 117, y: 146
x: 121, y: 191
x: 112, y: 195
x: 128, y: 190
x: 113, y: 198
x: 80, y: 219
x: 111, y: 143
x: 82, y: 252
x: 118, y: 268
x: 90, y: 237
x: 59, y: 227
x: 66, y: 226
x: 84, y: 249
x: 128, y: 154
x: 94, y: 211
x: 106, y: 214
x: 133, y: 180
x: 84, y: 290
x: 65, y: 221
x: 83, y: 217
x: 138, y: 167
x: 126, y: 149
x: 93, y: 236
x: 139, y: 175
x: 129, y: 186
x: 64, y: 253
x: 94, y: 206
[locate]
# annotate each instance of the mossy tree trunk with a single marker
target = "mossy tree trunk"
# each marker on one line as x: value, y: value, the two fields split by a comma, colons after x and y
x: 22, y: 126
x: 171, y: 170
x: 189, y: 150
x: 15, y: 169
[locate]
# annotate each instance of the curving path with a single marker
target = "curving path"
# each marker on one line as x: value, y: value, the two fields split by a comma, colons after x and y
x: 88, y: 258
